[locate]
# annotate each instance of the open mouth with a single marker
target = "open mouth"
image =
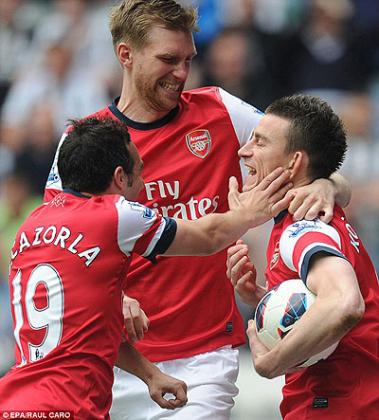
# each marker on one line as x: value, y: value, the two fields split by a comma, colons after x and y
x: 171, y: 87
x: 251, y: 171
x: 251, y: 178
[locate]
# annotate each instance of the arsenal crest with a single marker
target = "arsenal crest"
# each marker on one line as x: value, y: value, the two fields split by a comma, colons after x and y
x: 275, y: 256
x: 199, y: 143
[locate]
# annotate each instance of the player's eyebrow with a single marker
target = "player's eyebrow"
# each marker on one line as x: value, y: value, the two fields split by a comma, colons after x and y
x: 175, y: 56
x: 260, y: 136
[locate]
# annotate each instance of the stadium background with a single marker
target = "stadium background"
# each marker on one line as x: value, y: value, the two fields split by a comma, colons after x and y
x: 57, y: 62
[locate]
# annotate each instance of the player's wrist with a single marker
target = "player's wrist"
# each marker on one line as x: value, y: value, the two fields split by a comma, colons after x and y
x: 150, y: 372
x: 267, y: 365
x: 244, y: 218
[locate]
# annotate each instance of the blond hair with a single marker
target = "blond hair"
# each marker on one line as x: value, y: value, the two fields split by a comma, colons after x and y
x: 131, y: 20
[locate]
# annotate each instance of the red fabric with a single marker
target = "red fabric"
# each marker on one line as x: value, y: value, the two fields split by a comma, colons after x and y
x: 349, y: 378
x: 71, y: 324
x: 177, y: 301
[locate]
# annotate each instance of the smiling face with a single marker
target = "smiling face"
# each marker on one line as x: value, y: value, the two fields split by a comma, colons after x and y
x: 266, y: 150
x: 160, y: 68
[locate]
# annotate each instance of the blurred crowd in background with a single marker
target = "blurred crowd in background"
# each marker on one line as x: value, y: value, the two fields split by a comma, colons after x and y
x: 57, y: 62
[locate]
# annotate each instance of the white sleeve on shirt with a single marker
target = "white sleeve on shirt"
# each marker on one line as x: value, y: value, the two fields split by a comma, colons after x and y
x: 140, y: 228
x: 54, y: 180
x: 303, y: 239
x: 244, y: 116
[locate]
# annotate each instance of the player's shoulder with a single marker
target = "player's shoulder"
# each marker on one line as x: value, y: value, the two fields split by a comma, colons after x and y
x: 215, y: 93
x: 201, y: 95
x: 90, y: 210
x: 101, y: 113
x: 34, y: 214
x: 217, y: 96
x: 295, y: 229
x: 106, y: 202
x: 111, y: 202
x: 300, y: 240
x: 133, y: 208
x: 208, y: 93
x: 202, y: 91
x: 307, y: 233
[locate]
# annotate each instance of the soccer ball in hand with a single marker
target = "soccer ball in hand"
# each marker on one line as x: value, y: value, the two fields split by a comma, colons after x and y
x: 279, y: 309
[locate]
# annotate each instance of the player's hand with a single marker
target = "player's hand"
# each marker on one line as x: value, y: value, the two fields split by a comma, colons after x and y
x: 161, y: 384
x: 313, y: 200
x: 258, y: 352
x: 263, y: 201
x: 242, y: 274
x: 264, y: 360
x: 135, y: 319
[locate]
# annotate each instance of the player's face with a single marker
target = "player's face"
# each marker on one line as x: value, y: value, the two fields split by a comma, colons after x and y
x: 161, y: 67
x: 135, y: 180
x: 266, y: 149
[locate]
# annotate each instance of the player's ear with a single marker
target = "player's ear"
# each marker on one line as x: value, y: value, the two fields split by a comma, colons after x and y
x: 298, y: 163
x: 120, y: 178
x: 124, y: 54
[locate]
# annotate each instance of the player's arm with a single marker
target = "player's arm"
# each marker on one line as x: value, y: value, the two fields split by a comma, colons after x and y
x: 130, y: 360
x: 214, y: 232
x: 342, y: 189
x: 318, y: 198
x: 339, y: 306
x: 242, y: 274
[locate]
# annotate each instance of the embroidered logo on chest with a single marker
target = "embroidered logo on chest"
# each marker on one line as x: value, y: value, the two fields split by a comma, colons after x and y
x: 199, y: 143
x: 275, y: 256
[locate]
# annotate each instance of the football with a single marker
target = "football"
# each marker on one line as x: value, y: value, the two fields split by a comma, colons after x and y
x: 279, y: 309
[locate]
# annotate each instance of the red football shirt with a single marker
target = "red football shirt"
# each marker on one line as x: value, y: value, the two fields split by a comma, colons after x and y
x: 189, y: 156
x: 345, y: 385
x: 68, y: 268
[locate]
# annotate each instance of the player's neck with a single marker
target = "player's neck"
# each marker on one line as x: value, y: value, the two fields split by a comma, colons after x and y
x: 137, y: 110
x: 301, y: 181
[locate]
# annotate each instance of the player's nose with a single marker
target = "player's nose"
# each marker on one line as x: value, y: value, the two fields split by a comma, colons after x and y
x: 181, y: 71
x: 246, y: 150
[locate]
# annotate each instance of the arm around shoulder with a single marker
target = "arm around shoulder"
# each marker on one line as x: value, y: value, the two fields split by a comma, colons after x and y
x: 343, y: 189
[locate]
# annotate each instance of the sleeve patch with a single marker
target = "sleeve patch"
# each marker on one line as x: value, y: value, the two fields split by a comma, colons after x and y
x: 303, y: 235
x: 138, y: 227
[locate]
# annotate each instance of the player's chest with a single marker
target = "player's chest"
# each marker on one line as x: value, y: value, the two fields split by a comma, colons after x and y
x: 188, y: 168
x: 195, y: 143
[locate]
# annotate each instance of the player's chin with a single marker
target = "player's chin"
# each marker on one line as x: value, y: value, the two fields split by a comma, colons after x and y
x: 168, y: 101
x: 170, y: 95
x: 250, y: 182
x: 172, y: 99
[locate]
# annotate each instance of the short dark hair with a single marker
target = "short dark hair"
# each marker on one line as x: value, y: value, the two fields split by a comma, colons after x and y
x: 92, y: 150
x: 314, y: 128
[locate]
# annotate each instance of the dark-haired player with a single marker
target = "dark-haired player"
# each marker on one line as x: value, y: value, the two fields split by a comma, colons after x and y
x: 303, y: 134
x: 68, y: 270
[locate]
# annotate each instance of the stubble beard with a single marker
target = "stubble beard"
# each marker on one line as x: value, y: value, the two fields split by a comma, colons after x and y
x: 154, y: 97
